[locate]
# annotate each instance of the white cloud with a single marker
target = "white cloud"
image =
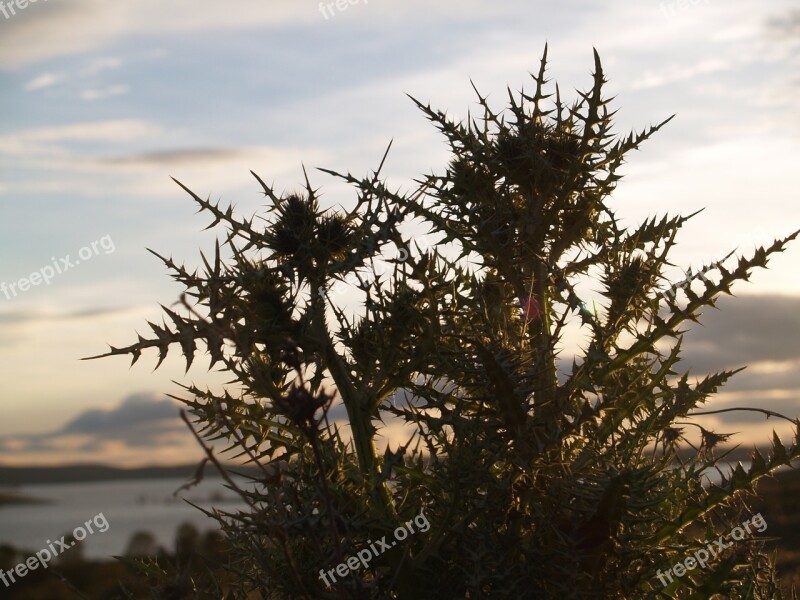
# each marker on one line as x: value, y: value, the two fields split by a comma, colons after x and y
x: 680, y: 72
x: 107, y: 92
x: 101, y: 64
x: 87, y: 25
x: 95, y: 66
x: 41, y: 142
x: 44, y: 80
x: 147, y: 174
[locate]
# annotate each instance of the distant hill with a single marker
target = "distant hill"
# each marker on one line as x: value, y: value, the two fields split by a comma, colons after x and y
x: 85, y: 473
x: 727, y: 454
x: 12, y: 499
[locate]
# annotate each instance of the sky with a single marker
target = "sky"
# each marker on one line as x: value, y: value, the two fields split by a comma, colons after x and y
x: 101, y: 103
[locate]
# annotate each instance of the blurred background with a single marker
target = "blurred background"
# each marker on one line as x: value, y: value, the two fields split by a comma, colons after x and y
x: 101, y: 103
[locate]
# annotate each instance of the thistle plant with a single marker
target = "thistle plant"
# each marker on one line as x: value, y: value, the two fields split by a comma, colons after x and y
x: 541, y: 477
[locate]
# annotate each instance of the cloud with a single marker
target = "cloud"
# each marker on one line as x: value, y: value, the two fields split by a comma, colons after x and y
x: 786, y: 26
x: 759, y: 332
x: 44, y: 80
x: 89, y: 25
x: 21, y: 317
x: 44, y: 141
x: 94, y: 67
x: 78, y: 148
x: 178, y: 157
x: 102, y: 63
x: 140, y: 421
x: 680, y: 72
x: 745, y: 330
x: 134, y: 412
x: 17, y: 326
x: 785, y: 404
x: 148, y: 174
x: 106, y: 92
x: 58, y: 29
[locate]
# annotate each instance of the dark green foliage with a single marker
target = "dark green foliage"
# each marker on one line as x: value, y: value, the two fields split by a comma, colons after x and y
x: 540, y: 479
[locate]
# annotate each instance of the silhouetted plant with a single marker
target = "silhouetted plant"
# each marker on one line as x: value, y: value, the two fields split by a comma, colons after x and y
x: 538, y: 481
x: 141, y: 545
